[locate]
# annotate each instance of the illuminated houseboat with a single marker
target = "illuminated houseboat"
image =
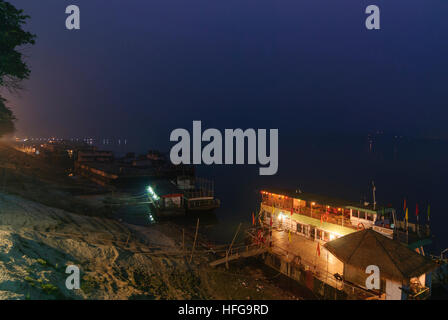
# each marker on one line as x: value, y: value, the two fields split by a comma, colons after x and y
x: 326, y: 244
x: 322, y: 218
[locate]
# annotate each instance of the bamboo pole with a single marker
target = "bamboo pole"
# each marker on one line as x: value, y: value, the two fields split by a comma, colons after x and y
x: 326, y: 276
x: 183, y: 241
x: 127, y: 240
x: 231, y: 244
x: 194, y: 243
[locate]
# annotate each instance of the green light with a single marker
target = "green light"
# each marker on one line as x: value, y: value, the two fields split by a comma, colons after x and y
x: 152, y: 193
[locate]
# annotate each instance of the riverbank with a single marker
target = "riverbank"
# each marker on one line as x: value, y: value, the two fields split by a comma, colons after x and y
x: 47, y: 224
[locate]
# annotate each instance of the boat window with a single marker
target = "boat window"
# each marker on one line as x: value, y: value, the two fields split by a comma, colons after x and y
x: 312, y: 232
x: 347, y: 213
x: 370, y: 216
x: 362, y: 215
x: 355, y: 213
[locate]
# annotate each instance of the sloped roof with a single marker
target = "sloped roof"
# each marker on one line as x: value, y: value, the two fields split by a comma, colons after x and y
x: 367, y: 247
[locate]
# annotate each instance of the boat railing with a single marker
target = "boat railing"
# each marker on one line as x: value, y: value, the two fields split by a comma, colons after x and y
x: 297, y: 260
x: 417, y: 291
x: 198, y: 194
x: 410, y: 236
x: 240, y: 249
x: 203, y: 203
x: 316, y: 213
x: 417, y: 230
x: 319, y: 272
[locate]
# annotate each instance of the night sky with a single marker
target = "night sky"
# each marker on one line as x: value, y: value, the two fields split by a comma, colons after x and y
x: 143, y: 68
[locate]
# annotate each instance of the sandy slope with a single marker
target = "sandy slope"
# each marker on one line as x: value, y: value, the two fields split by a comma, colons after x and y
x: 116, y: 261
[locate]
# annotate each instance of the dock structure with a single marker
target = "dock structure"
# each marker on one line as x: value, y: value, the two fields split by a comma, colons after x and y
x: 245, y: 253
x: 298, y: 231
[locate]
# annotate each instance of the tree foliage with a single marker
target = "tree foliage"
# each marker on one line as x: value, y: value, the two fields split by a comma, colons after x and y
x: 6, y: 119
x: 13, y: 68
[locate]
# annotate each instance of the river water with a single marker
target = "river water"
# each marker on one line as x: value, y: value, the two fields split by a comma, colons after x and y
x: 343, y: 166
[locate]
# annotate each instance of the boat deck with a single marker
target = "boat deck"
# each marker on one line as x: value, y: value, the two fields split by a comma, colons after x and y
x: 304, y: 251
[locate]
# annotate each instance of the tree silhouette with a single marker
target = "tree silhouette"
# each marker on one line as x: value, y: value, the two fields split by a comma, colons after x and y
x: 6, y: 119
x: 13, y: 68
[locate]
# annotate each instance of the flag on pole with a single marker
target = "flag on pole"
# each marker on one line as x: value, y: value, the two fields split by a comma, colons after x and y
x: 416, y: 210
x: 318, y: 249
x: 406, y: 216
x: 253, y: 219
x: 404, y: 206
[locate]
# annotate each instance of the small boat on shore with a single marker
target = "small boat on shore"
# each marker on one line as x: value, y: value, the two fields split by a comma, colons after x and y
x: 182, y: 196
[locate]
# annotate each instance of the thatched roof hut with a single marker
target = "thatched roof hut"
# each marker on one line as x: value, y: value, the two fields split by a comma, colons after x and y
x: 367, y: 247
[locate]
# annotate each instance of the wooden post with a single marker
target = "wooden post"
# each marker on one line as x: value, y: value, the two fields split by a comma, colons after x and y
x: 4, y: 179
x: 326, y: 276
x: 183, y: 241
x: 194, y: 243
x: 231, y: 244
x: 127, y: 240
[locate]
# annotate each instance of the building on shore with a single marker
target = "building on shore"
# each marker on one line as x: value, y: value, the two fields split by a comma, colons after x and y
x: 303, y: 234
x: 404, y: 273
x: 129, y: 172
x: 92, y: 154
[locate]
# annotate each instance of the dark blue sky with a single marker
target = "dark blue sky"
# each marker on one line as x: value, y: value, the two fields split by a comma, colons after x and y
x: 142, y: 68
